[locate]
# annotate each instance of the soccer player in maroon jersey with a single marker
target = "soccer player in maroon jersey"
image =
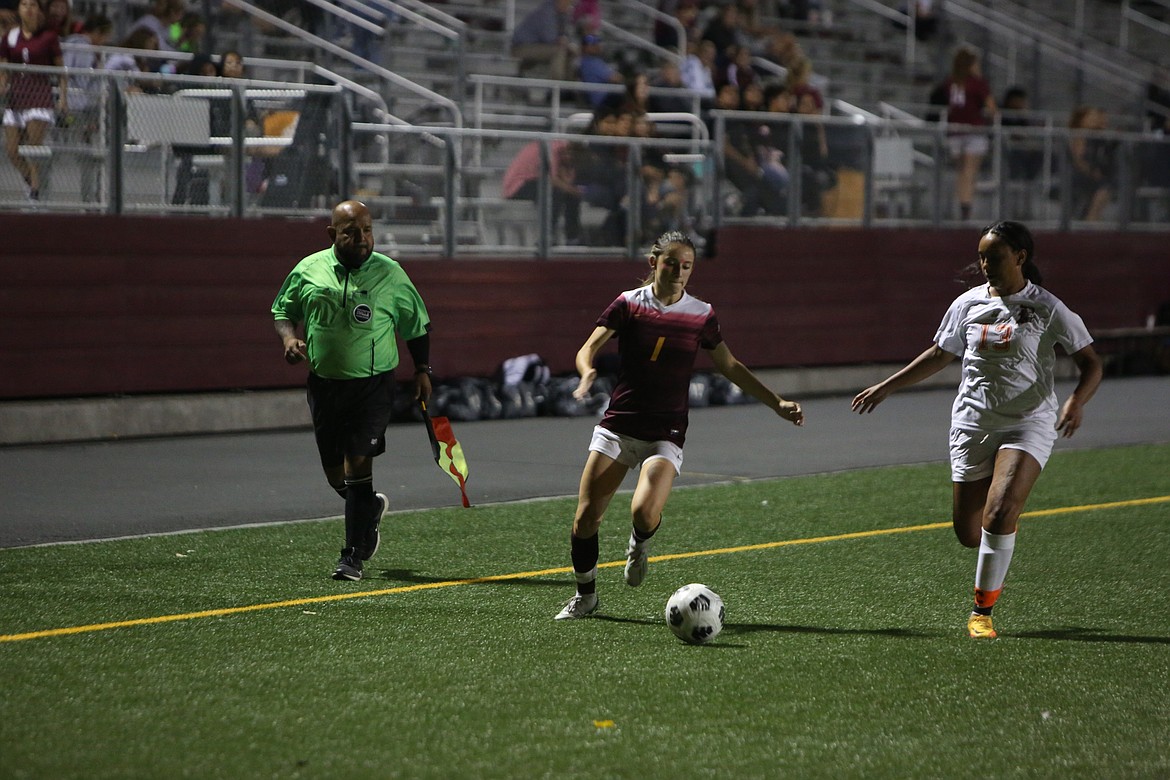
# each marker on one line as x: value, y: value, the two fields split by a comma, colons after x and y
x: 30, y: 95
x: 660, y: 328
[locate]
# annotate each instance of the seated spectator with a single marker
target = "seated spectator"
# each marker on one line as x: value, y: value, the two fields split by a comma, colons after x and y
x: 187, y: 34
x: 163, y: 13
x: 522, y: 182
x: 637, y: 98
x: 665, y: 188
x: 142, y: 39
x: 724, y: 31
x: 698, y: 71
x: 542, y: 39
x: 686, y: 12
x: 670, y: 77
x: 739, y: 70
x: 818, y: 174
x: 602, y: 172
x: 86, y: 96
x: 761, y: 191
x: 1025, y: 154
x: 1093, y: 162
x: 800, y: 81
x: 192, y: 182
x: 59, y: 18
x: 587, y: 17
x: 594, y: 69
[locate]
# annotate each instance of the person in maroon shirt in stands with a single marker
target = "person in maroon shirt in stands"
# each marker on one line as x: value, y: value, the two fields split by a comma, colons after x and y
x: 29, y: 113
x: 660, y: 328
x: 969, y: 103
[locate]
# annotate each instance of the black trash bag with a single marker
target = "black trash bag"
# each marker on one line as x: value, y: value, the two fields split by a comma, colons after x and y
x: 462, y: 401
x: 490, y: 406
x: 724, y: 392
x: 518, y: 400
x: 560, y: 401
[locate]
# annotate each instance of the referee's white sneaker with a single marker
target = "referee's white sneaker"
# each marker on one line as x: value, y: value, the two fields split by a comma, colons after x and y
x: 578, y: 607
x: 637, y: 561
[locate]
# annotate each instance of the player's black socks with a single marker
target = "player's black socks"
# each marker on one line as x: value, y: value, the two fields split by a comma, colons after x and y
x: 642, y: 536
x: 584, y: 553
x: 359, y: 510
x: 982, y: 610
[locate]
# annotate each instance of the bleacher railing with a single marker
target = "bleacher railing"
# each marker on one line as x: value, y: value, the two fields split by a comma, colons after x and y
x: 158, y: 144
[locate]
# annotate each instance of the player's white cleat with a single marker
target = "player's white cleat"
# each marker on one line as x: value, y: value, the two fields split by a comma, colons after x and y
x: 578, y: 607
x: 637, y: 561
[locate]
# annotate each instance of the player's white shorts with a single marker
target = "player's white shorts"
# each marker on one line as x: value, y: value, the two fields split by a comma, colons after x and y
x: 973, y: 452
x: 22, y: 118
x: 968, y: 143
x: 632, y: 452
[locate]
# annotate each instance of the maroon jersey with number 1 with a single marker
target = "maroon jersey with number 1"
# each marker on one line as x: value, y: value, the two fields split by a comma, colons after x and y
x: 657, y: 346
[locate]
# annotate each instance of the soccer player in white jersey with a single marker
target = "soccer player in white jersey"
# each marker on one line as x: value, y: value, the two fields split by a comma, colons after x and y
x: 1005, y: 418
x: 660, y: 328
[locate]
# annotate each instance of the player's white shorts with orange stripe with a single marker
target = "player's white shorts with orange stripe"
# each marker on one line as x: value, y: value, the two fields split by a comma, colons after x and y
x: 632, y: 452
x: 973, y: 452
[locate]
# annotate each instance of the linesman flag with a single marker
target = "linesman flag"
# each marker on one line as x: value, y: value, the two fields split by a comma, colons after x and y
x: 447, y: 451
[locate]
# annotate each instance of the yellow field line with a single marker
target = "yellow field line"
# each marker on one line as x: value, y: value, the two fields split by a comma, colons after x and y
x: 52, y: 632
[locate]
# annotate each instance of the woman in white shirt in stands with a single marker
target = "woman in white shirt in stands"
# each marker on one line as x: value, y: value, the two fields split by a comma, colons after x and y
x: 1005, y: 418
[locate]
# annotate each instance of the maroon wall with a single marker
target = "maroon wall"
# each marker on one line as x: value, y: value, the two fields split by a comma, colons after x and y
x: 101, y: 305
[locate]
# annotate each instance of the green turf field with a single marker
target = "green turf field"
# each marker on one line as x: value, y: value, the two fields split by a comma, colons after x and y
x: 232, y: 654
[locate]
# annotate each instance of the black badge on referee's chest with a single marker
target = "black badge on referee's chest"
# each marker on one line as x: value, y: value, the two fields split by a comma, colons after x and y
x: 362, y: 313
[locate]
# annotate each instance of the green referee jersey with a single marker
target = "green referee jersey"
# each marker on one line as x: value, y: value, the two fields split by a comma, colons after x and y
x: 351, y: 316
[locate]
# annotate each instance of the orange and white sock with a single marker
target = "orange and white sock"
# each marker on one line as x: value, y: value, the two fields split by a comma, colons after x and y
x: 995, y: 556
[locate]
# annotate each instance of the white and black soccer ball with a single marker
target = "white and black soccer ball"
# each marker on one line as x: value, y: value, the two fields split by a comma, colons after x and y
x: 695, y: 613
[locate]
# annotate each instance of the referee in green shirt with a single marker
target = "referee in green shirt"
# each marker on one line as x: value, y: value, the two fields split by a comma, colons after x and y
x: 352, y: 302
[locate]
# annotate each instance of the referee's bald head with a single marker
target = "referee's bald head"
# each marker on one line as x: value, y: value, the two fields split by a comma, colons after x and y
x: 348, y: 210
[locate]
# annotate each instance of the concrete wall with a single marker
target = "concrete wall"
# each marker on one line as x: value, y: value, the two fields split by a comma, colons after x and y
x: 99, y: 306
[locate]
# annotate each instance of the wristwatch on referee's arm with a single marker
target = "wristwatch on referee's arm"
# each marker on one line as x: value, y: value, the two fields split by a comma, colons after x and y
x: 423, y: 368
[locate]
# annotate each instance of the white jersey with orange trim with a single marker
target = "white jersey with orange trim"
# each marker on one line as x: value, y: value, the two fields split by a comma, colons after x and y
x: 1008, y: 349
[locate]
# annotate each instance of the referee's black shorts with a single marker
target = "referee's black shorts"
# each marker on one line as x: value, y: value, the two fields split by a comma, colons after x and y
x: 350, y: 415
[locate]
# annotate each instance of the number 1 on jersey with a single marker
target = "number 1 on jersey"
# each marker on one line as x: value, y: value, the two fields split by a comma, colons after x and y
x: 657, y: 348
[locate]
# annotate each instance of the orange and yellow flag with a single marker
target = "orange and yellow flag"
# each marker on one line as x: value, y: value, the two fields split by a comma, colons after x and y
x: 447, y: 451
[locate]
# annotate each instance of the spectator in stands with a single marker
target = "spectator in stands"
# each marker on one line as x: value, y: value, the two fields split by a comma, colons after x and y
x: 142, y: 39
x: 587, y: 17
x: 593, y: 68
x: 1024, y: 157
x: 686, y: 12
x: 761, y: 191
x: 818, y: 174
x: 543, y: 39
x: 669, y: 76
x: 739, y: 70
x: 800, y: 81
x: 86, y: 95
x: 8, y: 20
x: 969, y: 102
x: 188, y: 33
x: 29, y: 111
x: 1093, y: 161
x: 925, y: 18
x: 665, y: 188
x: 163, y: 13
x: 522, y: 182
x: 59, y: 18
x: 191, y: 182
x: 602, y: 172
x: 698, y: 72
x: 724, y: 31
x: 637, y: 98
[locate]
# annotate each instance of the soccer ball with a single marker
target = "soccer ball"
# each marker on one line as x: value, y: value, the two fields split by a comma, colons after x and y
x: 695, y: 613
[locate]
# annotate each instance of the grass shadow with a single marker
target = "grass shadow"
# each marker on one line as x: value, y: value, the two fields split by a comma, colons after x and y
x: 752, y: 628
x: 1080, y: 634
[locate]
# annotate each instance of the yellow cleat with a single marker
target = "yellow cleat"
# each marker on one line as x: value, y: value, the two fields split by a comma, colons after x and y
x: 979, y: 626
